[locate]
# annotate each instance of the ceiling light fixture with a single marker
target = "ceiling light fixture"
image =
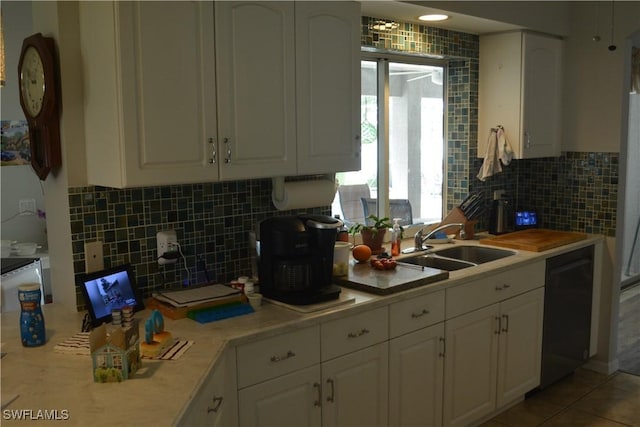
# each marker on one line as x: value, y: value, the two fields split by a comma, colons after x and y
x: 433, y: 17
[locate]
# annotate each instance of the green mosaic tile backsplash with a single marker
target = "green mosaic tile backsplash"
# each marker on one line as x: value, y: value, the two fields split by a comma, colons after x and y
x: 575, y: 192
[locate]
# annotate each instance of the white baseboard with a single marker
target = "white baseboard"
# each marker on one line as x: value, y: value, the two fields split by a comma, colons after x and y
x: 602, y: 367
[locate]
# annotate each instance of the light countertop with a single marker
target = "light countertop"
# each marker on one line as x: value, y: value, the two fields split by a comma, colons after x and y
x: 45, y: 380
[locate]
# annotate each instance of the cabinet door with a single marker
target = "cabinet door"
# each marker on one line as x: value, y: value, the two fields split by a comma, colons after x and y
x: 416, y: 367
x: 520, y: 345
x: 542, y: 94
x: 470, y: 369
x: 328, y: 86
x: 289, y: 400
x: 355, y: 388
x: 255, y: 54
x: 215, y: 403
x: 149, y: 92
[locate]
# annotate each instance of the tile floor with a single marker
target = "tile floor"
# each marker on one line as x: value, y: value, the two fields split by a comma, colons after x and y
x: 585, y: 398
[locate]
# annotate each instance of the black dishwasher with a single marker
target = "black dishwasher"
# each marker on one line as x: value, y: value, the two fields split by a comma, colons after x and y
x: 567, y: 314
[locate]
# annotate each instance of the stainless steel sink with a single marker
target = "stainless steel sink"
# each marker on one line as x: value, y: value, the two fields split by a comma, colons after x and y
x: 457, y: 257
x: 474, y: 254
x: 427, y: 260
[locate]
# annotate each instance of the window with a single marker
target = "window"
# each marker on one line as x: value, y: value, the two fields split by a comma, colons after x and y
x: 402, y: 128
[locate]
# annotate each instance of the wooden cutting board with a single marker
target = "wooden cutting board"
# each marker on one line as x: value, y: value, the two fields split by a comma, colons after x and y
x: 535, y: 240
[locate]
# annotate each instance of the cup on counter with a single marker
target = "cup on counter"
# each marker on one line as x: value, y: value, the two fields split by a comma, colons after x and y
x: 255, y: 299
x: 341, y: 252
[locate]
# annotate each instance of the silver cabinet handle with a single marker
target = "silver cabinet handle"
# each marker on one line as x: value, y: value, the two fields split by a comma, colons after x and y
x: 214, y: 154
x: 362, y: 332
x: 527, y: 136
x: 498, y: 325
x: 319, y: 399
x: 289, y: 355
x: 443, y: 346
x: 498, y: 288
x: 506, y: 323
x: 422, y: 313
x: 357, y: 140
x: 331, y: 395
x: 227, y: 143
x: 217, y: 401
x: 505, y: 286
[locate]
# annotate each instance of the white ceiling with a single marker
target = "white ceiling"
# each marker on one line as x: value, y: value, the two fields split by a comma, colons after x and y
x: 407, y: 12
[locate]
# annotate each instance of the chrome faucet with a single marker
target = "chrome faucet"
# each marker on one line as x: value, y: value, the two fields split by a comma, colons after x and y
x: 419, y: 239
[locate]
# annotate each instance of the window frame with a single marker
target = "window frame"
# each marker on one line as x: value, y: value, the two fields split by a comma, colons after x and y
x: 383, y: 58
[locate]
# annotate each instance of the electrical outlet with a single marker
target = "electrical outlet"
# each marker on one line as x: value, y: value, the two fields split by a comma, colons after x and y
x: 166, y: 241
x: 27, y: 206
x: 93, y: 256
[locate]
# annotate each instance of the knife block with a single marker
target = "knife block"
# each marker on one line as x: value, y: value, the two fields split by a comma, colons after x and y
x: 457, y: 216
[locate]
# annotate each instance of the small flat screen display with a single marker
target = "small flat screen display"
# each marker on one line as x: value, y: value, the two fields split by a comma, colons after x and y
x: 526, y: 219
x: 109, y: 290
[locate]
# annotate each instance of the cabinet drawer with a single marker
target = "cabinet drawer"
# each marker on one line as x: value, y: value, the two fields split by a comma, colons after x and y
x: 279, y: 355
x: 416, y: 313
x: 492, y: 289
x: 352, y: 333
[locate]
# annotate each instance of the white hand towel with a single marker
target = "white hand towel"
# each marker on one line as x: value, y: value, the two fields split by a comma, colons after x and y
x: 506, y: 152
x: 491, y: 164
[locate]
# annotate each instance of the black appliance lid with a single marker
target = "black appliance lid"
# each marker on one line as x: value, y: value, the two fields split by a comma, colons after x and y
x: 320, y: 221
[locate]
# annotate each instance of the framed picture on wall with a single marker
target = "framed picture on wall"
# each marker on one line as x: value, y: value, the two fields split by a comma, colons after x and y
x: 15, y: 143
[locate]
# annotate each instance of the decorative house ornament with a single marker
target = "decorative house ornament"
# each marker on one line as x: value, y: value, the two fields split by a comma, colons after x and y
x: 40, y: 99
x: 116, y: 356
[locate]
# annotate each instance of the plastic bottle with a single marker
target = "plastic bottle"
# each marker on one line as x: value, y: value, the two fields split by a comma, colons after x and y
x: 396, y: 238
x: 32, y: 331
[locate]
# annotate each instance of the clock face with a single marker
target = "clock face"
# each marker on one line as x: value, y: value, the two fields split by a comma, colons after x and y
x: 32, y: 83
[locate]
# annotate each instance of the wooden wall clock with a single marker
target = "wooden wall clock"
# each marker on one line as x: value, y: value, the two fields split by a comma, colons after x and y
x: 40, y: 99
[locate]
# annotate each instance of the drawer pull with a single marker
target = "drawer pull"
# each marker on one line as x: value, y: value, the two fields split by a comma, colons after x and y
x: 289, y: 355
x: 443, y: 345
x: 498, y: 288
x: 506, y: 286
x: 422, y: 313
x: 217, y: 401
x: 498, y: 325
x: 318, y: 400
x: 362, y: 332
x: 330, y: 396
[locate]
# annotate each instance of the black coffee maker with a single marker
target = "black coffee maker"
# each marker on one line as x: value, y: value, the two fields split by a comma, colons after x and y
x: 296, y: 258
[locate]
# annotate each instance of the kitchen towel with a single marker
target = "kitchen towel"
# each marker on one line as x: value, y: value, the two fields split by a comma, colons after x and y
x: 303, y: 194
x: 498, y: 153
x: 491, y: 164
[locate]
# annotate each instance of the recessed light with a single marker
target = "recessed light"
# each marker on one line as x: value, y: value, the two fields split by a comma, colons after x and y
x: 433, y: 17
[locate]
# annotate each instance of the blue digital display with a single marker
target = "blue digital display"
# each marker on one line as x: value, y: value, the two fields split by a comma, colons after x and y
x: 526, y: 219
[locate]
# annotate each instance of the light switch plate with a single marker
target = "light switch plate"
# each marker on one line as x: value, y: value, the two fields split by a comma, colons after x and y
x: 93, y: 256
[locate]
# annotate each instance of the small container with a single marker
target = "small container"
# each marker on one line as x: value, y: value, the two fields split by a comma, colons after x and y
x: 341, y: 252
x: 32, y: 330
x: 248, y: 287
x: 255, y: 299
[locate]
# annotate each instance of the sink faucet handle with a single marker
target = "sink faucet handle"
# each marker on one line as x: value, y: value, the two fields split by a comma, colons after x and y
x: 463, y: 233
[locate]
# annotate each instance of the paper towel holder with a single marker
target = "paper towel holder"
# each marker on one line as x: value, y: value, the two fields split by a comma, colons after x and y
x: 277, y: 191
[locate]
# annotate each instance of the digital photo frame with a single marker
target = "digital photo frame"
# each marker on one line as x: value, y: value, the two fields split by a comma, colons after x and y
x: 108, y: 290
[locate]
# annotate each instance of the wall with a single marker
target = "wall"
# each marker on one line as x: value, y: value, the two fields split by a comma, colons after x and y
x: 18, y: 182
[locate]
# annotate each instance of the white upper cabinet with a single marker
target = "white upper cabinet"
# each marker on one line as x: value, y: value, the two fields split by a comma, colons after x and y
x: 328, y: 86
x: 520, y: 88
x: 177, y: 92
x: 255, y: 50
x: 149, y: 92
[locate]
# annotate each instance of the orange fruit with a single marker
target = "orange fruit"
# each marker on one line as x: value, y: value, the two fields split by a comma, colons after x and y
x: 362, y: 253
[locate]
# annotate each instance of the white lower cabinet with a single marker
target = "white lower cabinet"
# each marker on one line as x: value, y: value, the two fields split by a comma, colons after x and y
x: 492, y: 357
x: 355, y: 388
x: 290, y: 400
x: 416, y: 366
x: 215, y: 403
